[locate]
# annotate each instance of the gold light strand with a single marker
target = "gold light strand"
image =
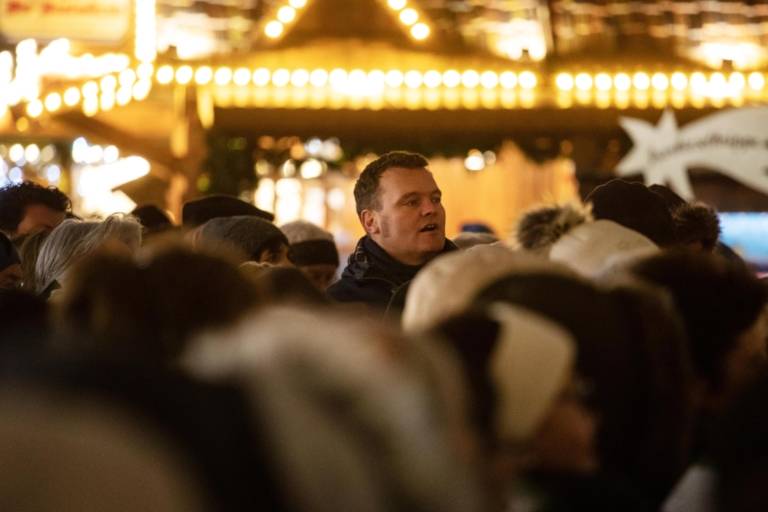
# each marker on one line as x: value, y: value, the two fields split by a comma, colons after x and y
x: 285, y: 15
x: 410, y: 18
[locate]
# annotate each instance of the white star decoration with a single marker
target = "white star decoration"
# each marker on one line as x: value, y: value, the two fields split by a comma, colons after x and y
x: 732, y: 142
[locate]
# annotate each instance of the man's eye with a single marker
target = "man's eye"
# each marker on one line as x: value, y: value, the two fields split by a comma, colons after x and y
x: 412, y: 202
x: 436, y: 199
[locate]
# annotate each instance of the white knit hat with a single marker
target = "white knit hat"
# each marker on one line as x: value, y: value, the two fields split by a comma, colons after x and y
x: 447, y: 285
x: 529, y: 368
x: 592, y: 247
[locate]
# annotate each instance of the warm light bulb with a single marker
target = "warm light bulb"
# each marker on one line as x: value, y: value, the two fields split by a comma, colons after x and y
x: 679, y: 81
x: 165, y: 74
x: 53, y: 102
x: 71, y: 96
x: 603, y: 82
x: 622, y: 82
x: 396, y: 5
x: 660, y: 82
x: 242, y: 77
x: 756, y: 81
x: 409, y: 16
x: 286, y: 14
x: 564, y: 81
x: 641, y: 81
x: 203, y: 75
x: 420, y: 31
x: 184, y: 75
x: 583, y: 81
x: 273, y: 29
x: 297, y: 4
x: 222, y: 76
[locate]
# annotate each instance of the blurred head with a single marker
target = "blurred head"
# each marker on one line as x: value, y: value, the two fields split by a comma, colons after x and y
x: 28, y: 207
x: 149, y: 310
x: 400, y: 207
x: 73, y: 239
x: 374, y: 430
x: 722, y: 306
x: 313, y: 251
x: 526, y: 400
x: 248, y: 238
x: 630, y: 352
x: 636, y: 207
x: 10, y: 265
x: 152, y: 219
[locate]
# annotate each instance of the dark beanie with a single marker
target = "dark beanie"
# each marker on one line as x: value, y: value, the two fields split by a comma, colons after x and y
x: 199, y: 211
x: 152, y: 217
x: 8, y: 254
x: 249, y: 234
x: 636, y: 207
x: 314, y: 252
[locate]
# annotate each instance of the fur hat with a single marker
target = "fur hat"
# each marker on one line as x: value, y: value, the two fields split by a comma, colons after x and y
x: 540, y: 228
x: 694, y: 222
x: 468, y: 239
x: 199, y: 211
x: 593, y: 247
x: 636, y: 207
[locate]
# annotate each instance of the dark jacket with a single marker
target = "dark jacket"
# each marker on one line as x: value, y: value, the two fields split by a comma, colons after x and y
x: 375, y: 278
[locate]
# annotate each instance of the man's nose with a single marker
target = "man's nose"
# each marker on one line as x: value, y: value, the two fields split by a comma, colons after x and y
x: 428, y: 208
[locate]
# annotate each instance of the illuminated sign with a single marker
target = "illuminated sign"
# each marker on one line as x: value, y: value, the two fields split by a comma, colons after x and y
x: 732, y: 142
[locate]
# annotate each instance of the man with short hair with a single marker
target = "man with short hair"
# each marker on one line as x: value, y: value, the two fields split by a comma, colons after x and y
x: 28, y: 207
x: 400, y: 207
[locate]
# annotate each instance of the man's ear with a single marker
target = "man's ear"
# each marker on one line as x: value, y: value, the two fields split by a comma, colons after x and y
x: 370, y: 222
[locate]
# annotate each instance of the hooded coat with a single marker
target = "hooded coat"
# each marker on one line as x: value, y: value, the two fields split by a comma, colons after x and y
x: 374, y: 277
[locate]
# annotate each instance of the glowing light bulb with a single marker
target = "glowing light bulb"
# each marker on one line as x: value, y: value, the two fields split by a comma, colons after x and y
x: 420, y: 31
x: 242, y: 77
x: 203, y: 75
x: 164, y: 75
x: 660, y: 82
x: 583, y: 81
x: 756, y: 81
x: 222, y: 76
x: 297, y: 4
x: 622, y: 82
x: 396, y: 5
x: 261, y: 77
x: 286, y: 14
x: 53, y: 102
x: 603, y: 82
x: 318, y: 78
x: 71, y: 96
x: 273, y: 29
x: 489, y: 79
x: 679, y: 81
x: 470, y: 79
x: 409, y: 16
x: 641, y: 81
x: 184, y: 75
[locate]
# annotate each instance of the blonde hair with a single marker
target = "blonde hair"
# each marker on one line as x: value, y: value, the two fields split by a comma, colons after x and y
x: 73, y: 239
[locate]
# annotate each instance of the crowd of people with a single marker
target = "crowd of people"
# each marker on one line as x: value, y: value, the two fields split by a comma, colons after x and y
x: 605, y: 356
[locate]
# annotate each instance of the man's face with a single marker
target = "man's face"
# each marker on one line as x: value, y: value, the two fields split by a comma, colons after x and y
x: 38, y: 217
x: 410, y: 221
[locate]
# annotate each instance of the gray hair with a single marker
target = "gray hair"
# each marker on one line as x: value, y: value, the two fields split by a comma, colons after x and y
x: 73, y: 239
x: 301, y: 231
